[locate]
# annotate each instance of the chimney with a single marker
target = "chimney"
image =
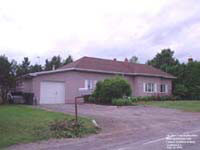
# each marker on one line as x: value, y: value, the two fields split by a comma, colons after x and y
x: 115, y: 59
x: 125, y: 60
x: 53, y: 67
x: 190, y: 60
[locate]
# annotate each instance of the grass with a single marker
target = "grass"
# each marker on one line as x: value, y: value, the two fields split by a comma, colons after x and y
x: 191, y: 106
x: 23, y: 124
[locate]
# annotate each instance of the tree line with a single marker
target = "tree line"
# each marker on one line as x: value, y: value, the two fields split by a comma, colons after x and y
x: 187, y: 82
x: 10, y: 71
x: 185, y: 86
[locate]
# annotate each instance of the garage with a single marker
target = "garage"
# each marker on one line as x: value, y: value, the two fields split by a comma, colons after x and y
x: 52, y: 92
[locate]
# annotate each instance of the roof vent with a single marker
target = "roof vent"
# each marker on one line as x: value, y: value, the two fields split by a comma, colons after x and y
x: 115, y: 59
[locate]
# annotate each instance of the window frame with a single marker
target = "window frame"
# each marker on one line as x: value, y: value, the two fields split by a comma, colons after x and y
x: 90, y: 84
x: 165, y: 87
x: 150, y: 87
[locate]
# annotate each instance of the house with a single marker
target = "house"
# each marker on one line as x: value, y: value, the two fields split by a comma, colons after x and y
x: 80, y: 77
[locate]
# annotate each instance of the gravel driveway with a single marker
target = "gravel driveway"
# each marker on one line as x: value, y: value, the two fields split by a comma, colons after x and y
x: 125, y: 128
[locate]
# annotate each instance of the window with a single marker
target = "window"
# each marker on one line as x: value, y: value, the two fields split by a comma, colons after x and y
x: 163, y: 88
x: 90, y: 84
x: 149, y: 87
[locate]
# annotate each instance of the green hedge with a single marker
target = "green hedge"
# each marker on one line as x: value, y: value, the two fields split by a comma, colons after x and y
x: 122, y: 102
x: 154, y: 98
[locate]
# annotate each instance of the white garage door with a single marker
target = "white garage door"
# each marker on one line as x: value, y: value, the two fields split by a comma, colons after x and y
x: 52, y: 92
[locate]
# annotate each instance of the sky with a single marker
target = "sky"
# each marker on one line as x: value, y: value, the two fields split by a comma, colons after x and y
x: 40, y: 29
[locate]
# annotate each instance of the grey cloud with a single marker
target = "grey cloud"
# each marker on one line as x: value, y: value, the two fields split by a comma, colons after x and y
x: 163, y: 32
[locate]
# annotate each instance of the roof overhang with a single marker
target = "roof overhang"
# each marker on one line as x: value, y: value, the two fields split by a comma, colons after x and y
x: 97, y: 71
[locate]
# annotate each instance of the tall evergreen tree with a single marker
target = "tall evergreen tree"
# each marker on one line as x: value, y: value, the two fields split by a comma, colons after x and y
x: 7, y: 77
x: 164, y: 61
x: 68, y: 60
x: 55, y: 61
x: 24, y: 68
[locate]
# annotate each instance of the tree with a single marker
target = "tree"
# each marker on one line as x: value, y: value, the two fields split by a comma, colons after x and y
x: 187, y: 82
x: 35, y: 68
x: 54, y: 62
x: 24, y: 68
x: 68, y: 60
x: 191, y: 80
x: 164, y: 61
x: 7, y: 77
x: 133, y: 59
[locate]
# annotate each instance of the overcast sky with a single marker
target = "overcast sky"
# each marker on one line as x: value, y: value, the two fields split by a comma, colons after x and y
x: 99, y: 28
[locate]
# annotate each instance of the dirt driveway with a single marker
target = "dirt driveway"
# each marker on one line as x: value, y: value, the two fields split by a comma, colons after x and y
x: 125, y: 128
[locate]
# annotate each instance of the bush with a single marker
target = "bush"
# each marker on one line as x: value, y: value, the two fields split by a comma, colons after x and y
x: 112, y: 88
x: 86, y: 98
x: 133, y: 99
x: 121, y: 102
x: 68, y: 129
x: 154, y: 98
x: 91, y: 99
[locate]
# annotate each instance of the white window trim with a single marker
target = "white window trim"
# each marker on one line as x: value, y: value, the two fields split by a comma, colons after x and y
x: 92, y: 84
x: 154, y: 90
x: 166, y: 88
x: 144, y: 87
x: 86, y: 84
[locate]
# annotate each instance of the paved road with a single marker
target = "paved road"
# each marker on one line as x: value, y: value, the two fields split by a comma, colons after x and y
x: 125, y: 128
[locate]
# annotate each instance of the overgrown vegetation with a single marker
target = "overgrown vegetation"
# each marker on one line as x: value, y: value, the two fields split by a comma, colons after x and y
x: 7, y: 77
x: 23, y: 124
x: 69, y: 129
x: 109, y: 89
x: 187, y: 84
x: 10, y: 71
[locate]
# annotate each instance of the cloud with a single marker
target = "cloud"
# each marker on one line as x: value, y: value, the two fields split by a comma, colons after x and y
x: 107, y: 29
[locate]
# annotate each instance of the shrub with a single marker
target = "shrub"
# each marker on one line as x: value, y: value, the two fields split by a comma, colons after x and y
x: 133, y: 99
x: 145, y: 98
x: 91, y: 99
x: 154, y: 98
x: 68, y: 128
x: 121, y: 102
x: 112, y: 88
x: 86, y: 98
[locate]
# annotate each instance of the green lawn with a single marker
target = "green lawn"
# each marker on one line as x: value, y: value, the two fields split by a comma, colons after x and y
x: 23, y: 124
x: 191, y: 106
